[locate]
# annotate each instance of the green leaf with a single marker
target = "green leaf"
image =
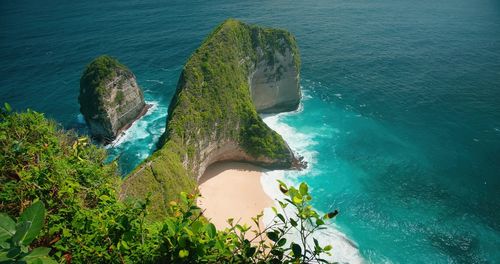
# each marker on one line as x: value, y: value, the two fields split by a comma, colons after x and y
x: 319, y: 222
x: 4, y: 258
x: 66, y: 232
x: 24, y: 249
x: 183, y: 253
x: 170, y: 226
x: 303, y: 189
x: 297, y: 250
x: 42, y: 260
x: 184, y: 198
x: 281, y: 242
x: 281, y: 217
x: 196, y: 226
x: 7, y: 227
x: 21, y: 232
x: 104, y: 198
x: 251, y: 251
x: 211, y: 230
x: 124, y: 244
x: 7, y: 107
x: 327, y: 248
x: 35, y: 215
x: 316, y: 243
x: 273, y: 236
x: 4, y: 245
x: 282, y: 204
x: 297, y: 199
x: 293, y: 222
x: 14, y: 252
x: 37, y: 253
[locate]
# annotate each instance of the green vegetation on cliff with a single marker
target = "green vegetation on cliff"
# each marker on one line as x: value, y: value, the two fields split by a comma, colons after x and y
x: 213, y: 90
x: 110, y: 99
x: 212, y: 107
x: 42, y: 166
x: 92, y: 89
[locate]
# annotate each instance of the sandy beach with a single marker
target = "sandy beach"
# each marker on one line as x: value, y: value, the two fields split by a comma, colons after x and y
x: 232, y: 190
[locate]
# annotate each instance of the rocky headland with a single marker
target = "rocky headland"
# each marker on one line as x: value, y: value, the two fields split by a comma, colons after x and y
x: 110, y: 99
x: 238, y: 71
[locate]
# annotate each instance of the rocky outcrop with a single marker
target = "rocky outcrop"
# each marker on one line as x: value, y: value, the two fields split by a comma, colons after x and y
x: 110, y: 99
x: 238, y: 70
x: 275, y: 80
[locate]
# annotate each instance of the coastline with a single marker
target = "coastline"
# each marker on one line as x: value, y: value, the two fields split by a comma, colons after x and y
x: 143, y: 112
x: 146, y: 110
x: 344, y: 249
x: 232, y: 190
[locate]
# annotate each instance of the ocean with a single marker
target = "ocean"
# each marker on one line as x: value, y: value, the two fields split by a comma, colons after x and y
x: 400, y: 119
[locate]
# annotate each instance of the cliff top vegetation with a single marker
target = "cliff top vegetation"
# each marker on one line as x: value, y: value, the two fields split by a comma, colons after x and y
x: 64, y: 198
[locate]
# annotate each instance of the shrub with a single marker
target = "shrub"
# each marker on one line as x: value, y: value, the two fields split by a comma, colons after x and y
x: 15, y: 238
x: 86, y: 222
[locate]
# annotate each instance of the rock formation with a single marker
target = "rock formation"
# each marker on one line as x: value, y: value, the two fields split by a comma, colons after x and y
x: 274, y: 80
x: 110, y: 99
x: 238, y: 70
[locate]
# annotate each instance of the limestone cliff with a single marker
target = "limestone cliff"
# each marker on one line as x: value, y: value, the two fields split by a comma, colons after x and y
x: 237, y: 70
x: 274, y: 78
x: 110, y: 99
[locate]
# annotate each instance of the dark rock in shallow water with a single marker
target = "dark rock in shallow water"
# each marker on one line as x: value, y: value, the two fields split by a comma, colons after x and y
x: 110, y: 99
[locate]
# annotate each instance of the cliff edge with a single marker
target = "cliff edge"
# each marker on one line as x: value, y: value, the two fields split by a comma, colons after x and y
x: 238, y: 70
x: 110, y: 99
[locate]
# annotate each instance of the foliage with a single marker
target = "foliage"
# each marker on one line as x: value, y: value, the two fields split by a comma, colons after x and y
x: 98, y: 71
x: 86, y: 222
x: 15, y: 238
x: 119, y: 97
x: 257, y: 139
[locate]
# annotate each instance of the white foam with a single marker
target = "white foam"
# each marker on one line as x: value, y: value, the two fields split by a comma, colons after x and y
x: 305, y: 94
x: 139, y: 129
x: 173, y: 68
x: 80, y: 119
x: 155, y: 81
x: 344, y: 250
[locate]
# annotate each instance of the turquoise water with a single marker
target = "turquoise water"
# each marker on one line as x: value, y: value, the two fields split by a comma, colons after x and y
x: 400, y: 123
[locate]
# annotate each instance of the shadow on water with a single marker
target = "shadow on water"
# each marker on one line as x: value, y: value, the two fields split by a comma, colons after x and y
x: 459, y: 247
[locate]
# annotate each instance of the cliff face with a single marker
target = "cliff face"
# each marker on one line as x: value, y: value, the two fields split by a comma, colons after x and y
x: 110, y: 99
x: 237, y: 70
x: 274, y: 80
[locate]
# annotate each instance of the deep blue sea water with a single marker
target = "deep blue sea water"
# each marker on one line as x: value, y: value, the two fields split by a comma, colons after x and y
x: 401, y: 115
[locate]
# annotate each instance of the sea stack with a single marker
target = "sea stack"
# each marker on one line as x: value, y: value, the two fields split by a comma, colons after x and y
x: 239, y: 70
x: 110, y: 99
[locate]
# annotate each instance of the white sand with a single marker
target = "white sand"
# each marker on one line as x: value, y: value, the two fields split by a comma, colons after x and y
x: 232, y: 190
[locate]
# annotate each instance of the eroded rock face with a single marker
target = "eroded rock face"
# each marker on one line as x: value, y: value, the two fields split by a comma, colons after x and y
x: 274, y: 83
x: 110, y: 99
